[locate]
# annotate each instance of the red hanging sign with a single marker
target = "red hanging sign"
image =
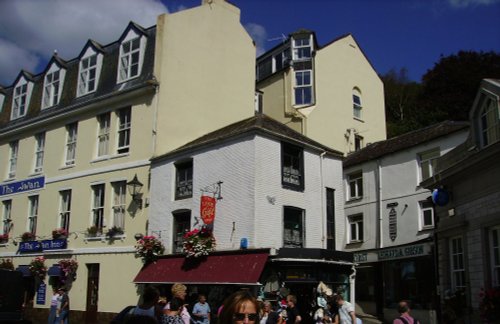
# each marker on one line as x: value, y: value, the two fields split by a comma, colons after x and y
x: 207, y: 209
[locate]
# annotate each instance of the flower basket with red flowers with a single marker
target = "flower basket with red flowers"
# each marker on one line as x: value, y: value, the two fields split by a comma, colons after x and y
x: 6, y: 264
x: 28, y: 236
x: 489, y: 305
x: 59, y: 233
x: 4, y: 238
x: 149, y: 248
x: 38, y: 268
x: 68, y: 268
x: 198, y: 242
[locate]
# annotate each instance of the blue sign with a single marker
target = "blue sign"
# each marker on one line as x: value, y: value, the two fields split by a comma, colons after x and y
x: 22, y: 186
x: 40, y: 294
x: 37, y: 246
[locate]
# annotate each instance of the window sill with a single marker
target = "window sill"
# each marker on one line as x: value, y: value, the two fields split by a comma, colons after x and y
x: 4, y: 244
x: 426, y: 229
x: 69, y: 166
x: 104, y: 238
x: 354, y: 199
x: 34, y: 174
x: 10, y: 179
x: 119, y: 155
x: 354, y: 243
x: 358, y: 119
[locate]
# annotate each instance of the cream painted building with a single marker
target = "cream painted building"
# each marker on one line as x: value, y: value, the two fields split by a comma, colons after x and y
x: 73, y: 136
x: 329, y: 93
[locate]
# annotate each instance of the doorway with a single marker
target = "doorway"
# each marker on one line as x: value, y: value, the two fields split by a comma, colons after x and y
x: 92, y: 293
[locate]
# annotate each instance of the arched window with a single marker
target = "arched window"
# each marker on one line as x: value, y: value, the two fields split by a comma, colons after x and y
x: 356, y: 103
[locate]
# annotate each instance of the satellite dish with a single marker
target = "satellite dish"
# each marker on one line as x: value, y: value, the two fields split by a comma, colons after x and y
x: 440, y: 197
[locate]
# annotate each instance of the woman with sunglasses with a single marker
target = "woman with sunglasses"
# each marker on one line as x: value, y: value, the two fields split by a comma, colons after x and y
x: 240, y: 307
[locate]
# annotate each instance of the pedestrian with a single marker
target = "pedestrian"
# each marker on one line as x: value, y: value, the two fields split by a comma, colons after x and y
x: 173, y: 314
x: 201, y: 310
x: 240, y: 307
x: 345, y: 310
x: 62, y: 313
x: 147, y: 307
x: 268, y: 316
x: 404, y: 314
x: 179, y: 291
x: 292, y: 313
x: 53, y: 305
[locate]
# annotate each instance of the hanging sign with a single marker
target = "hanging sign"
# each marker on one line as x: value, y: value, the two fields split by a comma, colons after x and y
x: 440, y: 197
x: 207, y: 209
x: 40, y: 294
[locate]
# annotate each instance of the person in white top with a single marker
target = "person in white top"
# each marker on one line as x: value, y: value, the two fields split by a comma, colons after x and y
x: 346, y: 311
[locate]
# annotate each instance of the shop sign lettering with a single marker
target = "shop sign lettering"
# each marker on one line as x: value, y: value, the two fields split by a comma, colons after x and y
x: 401, y: 252
x: 360, y: 257
x: 22, y: 186
x: 37, y: 246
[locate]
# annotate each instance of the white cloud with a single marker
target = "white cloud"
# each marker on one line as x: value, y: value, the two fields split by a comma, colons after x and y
x: 12, y: 57
x: 467, y: 3
x: 37, y: 28
x: 259, y: 36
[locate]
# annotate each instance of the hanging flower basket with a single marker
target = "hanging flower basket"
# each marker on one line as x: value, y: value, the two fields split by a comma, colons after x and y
x: 4, y: 238
x: 6, y: 264
x: 149, y: 248
x: 114, y: 231
x: 59, y: 233
x: 68, y: 268
x: 28, y: 236
x: 38, y: 268
x: 198, y: 242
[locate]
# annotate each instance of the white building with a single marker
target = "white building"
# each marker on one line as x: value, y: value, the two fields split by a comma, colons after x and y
x: 390, y: 219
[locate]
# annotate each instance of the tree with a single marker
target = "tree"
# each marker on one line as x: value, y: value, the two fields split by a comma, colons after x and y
x: 449, y: 88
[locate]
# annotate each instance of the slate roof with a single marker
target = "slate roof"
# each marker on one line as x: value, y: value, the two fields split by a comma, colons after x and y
x: 258, y: 123
x: 106, y: 86
x: 402, y: 142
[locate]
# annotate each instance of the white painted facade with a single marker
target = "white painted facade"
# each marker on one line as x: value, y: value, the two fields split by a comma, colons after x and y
x: 253, y: 196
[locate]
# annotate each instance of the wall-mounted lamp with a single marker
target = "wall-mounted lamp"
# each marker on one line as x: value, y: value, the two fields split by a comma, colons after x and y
x: 134, y: 188
x: 138, y: 236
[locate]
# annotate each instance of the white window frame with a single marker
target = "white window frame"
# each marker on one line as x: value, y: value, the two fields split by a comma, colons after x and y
x: 357, y: 104
x: 71, y: 139
x: 119, y: 203
x: 103, y: 134
x: 489, y: 122
x: 300, y: 46
x: 427, y: 162
x: 6, y: 216
x: 128, y: 53
x: 14, y: 152
x: 89, y: 72
x: 2, y: 100
x: 124, y: 130
x: 426, y: 207
x: 494, y: 241
x: 457, y: 256
x: 98, y: 203
x: 65, y: 209
x: 301, y: 85
x: 39, y: 152
x: 33, y: 213
x: 355, y: 185
x: 19, y: 101
x: 184, y: 180
x: 356, y: 228
x: 358, y: 142
x: 52, y: 87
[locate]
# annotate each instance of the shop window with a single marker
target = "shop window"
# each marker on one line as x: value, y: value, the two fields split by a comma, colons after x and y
x: 293, y: 234
x: 292, y: 171
x: 182, y: 224
x: 184, y: 180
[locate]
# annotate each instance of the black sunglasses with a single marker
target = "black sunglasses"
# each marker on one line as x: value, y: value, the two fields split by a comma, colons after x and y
x: 241, y: 316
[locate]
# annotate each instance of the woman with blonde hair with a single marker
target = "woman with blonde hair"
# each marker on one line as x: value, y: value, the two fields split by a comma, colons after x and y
x: 179, y: 291
x: 240, y: 307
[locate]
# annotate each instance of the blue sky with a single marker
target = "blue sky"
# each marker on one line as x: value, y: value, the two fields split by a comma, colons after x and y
x: 393, y: 33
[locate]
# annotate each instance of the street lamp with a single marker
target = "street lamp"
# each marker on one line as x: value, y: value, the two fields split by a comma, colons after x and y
x: 134, y: 188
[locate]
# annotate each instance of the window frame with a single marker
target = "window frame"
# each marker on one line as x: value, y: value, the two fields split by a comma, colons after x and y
x: 293, y: 153
x: 489, y: 122
x: 180, y: 217
x: 301, y: 86
x: 19, y: 100
x: 184, y: 168
x: 103, y: 134
x: 302, y: 48
x: 357, y: 104
x: 52, y: 87
x: 6, y: 216
x: 356, y: 225
x: 124, y: 130
x: 425, y: 206
x: 428, y: 160
x: 13, y: 156
x: 119, y: 203
x: 33, y: 208
x: 355, y: 181
x: 454, y: 267
x: 88, y: 63
x: 39, y: 152
x: 98, y: 205
x: 124, y: 71
x: 292, y: 242
x: 330, y: 218
x: 494, y: 245
x: 65, y: 208
x: 71, y: 141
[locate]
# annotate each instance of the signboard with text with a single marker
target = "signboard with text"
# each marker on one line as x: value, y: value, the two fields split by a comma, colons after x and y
x: 16, y: 187
x: 399, y: 252
x: 37, y: 246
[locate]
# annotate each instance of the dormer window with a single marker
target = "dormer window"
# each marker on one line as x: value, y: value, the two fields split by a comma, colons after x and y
x: 87, y: 78
x: 52, y: 87
x: 131, y: 56
x: 21, y: 96
x: 302, y: 48
x: 489, y: 122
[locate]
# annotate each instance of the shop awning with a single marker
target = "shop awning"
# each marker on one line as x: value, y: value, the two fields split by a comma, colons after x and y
x: 54, y: 271
x: 25, y: 270
x: 235, y: 268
